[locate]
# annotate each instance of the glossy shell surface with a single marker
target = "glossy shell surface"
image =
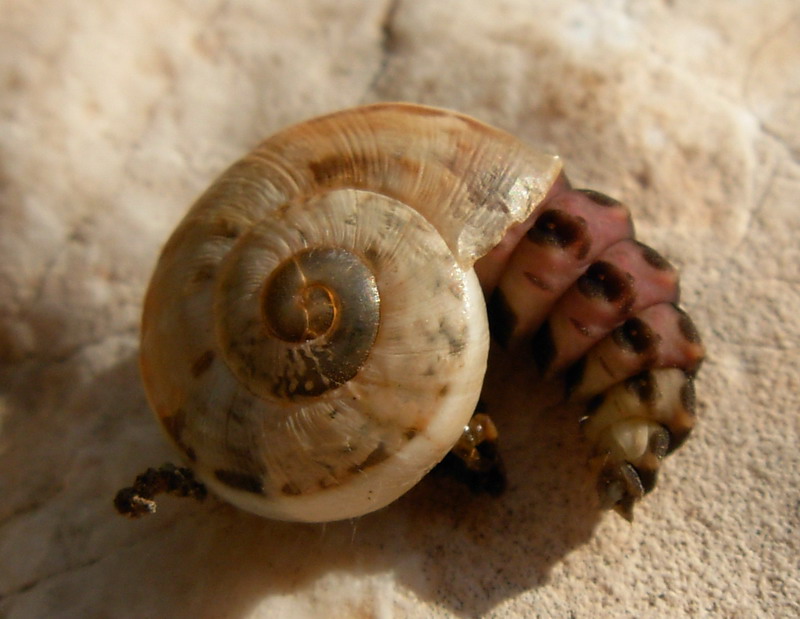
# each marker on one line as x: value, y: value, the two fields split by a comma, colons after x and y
x: 314, y: 337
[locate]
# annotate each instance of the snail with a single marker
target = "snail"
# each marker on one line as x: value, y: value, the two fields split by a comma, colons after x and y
x: 315, y: 334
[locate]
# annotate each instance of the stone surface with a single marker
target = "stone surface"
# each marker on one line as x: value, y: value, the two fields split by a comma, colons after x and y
x: 114, y: 116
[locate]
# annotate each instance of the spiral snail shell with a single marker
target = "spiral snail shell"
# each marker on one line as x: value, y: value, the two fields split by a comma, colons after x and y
x: 315, y: 337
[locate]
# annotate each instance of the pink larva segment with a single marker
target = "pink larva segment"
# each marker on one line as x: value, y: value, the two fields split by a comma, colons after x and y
x: 622, y: 281
x: 571, y: 230
x: 662, y: 335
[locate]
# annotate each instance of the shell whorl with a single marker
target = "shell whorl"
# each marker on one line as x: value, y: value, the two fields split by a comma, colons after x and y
x: 314, y: 339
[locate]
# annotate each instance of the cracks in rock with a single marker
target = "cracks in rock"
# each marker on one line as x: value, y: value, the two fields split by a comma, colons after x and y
x: 388, y: 44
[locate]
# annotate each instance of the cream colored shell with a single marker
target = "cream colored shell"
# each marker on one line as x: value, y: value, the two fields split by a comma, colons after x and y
x: 282, y: 401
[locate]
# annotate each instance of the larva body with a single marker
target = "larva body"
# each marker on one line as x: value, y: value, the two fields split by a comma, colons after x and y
x: 315, y: 335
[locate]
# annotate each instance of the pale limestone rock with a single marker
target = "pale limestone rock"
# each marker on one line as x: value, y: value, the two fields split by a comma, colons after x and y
x: 114, y: 116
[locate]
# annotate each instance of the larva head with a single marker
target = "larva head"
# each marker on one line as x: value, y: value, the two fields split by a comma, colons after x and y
x: 314, y: 339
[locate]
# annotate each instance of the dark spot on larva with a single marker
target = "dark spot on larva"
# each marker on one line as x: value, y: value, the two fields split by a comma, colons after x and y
x: 648, y: 477
x: 688, y: 397
x: 190, y: 453
x: 240, y: 481
x: 558, y: 228
x: 643, y: 386
x: 594, y: 403
x: 410, y: 433
x: 289, y: 489
x: 599, y: 198
x: 635, y: 335
x: 376, y: 456
x: 502, y: 320
x: 682, y: 426
x: 686, y: 327
x: 543, y: 347
x: 653, y: 258
x: 605, y: 281
x: 647, y: 469
x: 202, y: 363
x: 537, y: 281
x: 574, y: 375
x: 444, y: 390
x: 619, y: 486
x: 678, y: 438
x: 659, y: 443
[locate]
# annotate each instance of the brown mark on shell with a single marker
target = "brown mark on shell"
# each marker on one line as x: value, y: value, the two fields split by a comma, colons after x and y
x: 375, y: 457
x: 202, y: 363
x: 351, y: 170
x: 490, y: 189
x: 240, y: 480
x: 174, y: 425
x: 410, y: 433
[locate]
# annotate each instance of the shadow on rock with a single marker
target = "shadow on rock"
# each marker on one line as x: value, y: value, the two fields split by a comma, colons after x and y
x: 461, y: 552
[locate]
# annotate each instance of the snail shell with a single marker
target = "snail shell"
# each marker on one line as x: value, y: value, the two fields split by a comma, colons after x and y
x: 314, y: 336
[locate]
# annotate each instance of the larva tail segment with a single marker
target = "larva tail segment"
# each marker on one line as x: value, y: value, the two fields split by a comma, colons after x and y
x: 632, y: 427
x: 475, y: 460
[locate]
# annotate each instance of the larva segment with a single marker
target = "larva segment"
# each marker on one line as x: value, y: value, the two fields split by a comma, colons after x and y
x: 627, y: 277
x: 571, y: 230
x: 661, y: 335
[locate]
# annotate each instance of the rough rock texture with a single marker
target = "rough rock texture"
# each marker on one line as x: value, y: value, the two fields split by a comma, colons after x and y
x: 114, y: 116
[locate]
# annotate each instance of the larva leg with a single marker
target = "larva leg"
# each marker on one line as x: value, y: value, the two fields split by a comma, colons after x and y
x: 598, y: 308
x: 475, y: 459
